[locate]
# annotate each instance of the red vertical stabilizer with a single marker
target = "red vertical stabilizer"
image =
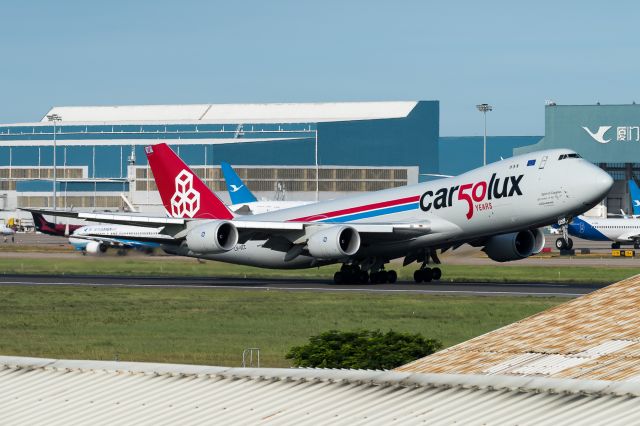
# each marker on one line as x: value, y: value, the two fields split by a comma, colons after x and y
x: 183, y: 193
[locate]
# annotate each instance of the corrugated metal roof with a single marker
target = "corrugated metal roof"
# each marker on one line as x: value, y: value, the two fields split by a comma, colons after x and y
x: 48, y: 391
x: 237, y: 113
x: 596, y: 336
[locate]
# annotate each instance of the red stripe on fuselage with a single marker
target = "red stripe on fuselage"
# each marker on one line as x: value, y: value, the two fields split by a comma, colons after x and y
x: 357, y: 209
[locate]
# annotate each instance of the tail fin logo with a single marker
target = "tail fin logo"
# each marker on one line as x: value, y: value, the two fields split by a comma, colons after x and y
x: 185, y: 200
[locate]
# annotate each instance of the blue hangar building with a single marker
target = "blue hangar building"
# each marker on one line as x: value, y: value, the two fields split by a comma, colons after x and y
x: 293, y: 151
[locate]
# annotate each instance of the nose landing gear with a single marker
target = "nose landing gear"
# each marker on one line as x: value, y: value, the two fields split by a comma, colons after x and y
x: 564, y: 243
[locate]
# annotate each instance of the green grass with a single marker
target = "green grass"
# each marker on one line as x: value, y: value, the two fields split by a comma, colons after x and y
x: 214, y: 326
x: 169, y: 266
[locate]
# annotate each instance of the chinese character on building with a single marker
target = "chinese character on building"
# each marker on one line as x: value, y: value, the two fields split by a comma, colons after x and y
x: 621, y: 134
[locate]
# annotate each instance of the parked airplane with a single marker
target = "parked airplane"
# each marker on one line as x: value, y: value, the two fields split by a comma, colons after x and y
x: 95, y: 239
x: 498, y: 207
x: 244, y: 202
x: 50, y: 228
x: 619, y: 231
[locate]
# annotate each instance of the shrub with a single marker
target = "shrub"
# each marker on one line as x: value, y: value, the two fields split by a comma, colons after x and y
x: 362, y: 349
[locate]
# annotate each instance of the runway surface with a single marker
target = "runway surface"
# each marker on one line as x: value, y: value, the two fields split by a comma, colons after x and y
x: 444, y: 288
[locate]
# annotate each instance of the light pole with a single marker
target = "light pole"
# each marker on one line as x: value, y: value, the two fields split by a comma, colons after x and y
x: 317, y: 169
x: 54, y: 118
x: 484, y: 108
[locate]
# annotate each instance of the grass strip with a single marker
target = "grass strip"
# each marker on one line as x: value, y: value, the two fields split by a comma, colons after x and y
x: 213, y: 326
x: 168, y: 266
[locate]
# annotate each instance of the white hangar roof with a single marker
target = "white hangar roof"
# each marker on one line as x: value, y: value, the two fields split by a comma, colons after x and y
x: 59, y: 392
x: 237, y: 113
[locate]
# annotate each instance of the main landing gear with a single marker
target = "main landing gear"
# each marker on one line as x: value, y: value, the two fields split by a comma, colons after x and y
x: 352, y: 274
x: 426, y: 274
x: 564, y: 243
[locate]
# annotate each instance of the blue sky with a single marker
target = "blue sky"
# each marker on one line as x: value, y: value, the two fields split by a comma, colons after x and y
x: 513, y: 55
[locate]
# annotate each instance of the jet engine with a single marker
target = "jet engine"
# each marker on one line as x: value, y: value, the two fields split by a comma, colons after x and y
x: 94, y: 247
x: 213, y: 237
x: 334, y: 242
x: 514, y: 246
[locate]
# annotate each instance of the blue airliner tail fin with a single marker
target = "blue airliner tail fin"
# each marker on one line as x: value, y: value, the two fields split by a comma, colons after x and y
x: 635, y: 196
x: 238, y: 191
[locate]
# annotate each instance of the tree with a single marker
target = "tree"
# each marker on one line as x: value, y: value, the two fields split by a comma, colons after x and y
x: 362, y: 349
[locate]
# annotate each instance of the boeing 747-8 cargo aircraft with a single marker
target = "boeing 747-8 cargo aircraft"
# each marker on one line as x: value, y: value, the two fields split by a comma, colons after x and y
x: 499, y: 207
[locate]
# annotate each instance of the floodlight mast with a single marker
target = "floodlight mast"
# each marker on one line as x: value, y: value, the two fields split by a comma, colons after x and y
x: 484, y: 108
x: 54, y: 118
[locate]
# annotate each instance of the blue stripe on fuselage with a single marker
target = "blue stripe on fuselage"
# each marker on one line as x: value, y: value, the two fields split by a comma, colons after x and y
x: 582, y: 229
x: 373, y: 213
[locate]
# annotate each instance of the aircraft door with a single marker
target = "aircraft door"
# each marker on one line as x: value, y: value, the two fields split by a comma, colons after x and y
x: 543, y: 162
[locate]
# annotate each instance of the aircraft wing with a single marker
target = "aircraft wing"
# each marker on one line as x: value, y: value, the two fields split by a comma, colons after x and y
x: 121, y: 219
x: 297, y: 232
x: 293, y: 232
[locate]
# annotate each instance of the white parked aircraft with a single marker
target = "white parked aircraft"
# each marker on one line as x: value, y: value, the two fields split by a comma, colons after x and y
x: 95, y: 239
x: 498, y: 207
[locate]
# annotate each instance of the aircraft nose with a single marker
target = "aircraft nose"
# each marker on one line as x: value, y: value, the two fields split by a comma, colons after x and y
x: 602, y: 181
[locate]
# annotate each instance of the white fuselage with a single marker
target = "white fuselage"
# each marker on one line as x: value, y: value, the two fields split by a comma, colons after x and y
x: 618, y: 230
x: 499, y: 198
x: 110, y: 232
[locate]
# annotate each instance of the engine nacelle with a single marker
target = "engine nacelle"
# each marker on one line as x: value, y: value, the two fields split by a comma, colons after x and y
x: 94, y: 247
x: 514, y: 246
x: 212, y: 237
x: 538, y: 244
x: 334, y: 243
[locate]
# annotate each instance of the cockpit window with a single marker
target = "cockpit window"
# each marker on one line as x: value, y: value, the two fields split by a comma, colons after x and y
x: 574, y: 155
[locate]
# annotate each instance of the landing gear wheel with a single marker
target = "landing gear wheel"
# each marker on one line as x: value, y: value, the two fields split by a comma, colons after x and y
x: 364, y: 277
x: 569, y: 244
x: 436, y: 273
x: 615, y: 246
x: 636, y: 245
x: 417, y: 276
x: 338, y: 277
x: 427, y: 275
x: 392, y: 277
x: 560, y: 244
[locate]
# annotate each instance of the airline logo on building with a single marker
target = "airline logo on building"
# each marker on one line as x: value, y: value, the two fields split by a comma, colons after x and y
x: 603, y: 134
x: 186, y: 200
